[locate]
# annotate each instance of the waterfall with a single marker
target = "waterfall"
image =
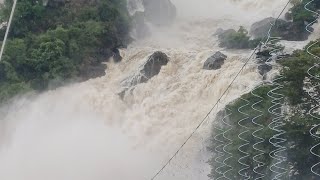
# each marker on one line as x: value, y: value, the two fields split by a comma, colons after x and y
x: 86, y: 131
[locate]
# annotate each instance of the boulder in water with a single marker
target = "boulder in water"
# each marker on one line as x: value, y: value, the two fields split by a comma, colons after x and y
x: 264, y: 69
x: 159, y: 12
x: 148, y: 70
x: 260, y: 29
x: 215, y: 61
x: 153, y: 66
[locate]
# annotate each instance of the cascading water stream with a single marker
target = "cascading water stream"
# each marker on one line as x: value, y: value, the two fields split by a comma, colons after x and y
x: 85, y: 131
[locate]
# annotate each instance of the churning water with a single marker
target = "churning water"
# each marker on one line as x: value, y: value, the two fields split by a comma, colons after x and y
x: 85, y: 131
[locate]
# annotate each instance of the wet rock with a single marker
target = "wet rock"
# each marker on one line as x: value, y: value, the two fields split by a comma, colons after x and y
x: 148, y: 70
x: 159, y: 12
x: 286, y: 30
x: 260, y: 29
x: 104, y: 54
x: 263, y: 69
x: 153, y: 65
x: 116, y: 55
x: 282, y: 56
x: 293, y: 32
x: 215, y: 61
x: 263, y: 55
x: 122, y: 93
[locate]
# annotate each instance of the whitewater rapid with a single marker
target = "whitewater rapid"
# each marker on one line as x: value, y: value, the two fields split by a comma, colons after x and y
x: 85, y: 131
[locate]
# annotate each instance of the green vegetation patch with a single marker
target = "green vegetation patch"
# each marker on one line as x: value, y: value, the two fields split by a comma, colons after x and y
x: 232, y: 39
x: 291, y: 89
x: 52, y: 42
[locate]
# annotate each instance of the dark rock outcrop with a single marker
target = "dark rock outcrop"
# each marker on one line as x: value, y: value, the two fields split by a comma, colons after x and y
x: 260, y: 29
x: 148, y: 70
x: 116, y: 55
x: 159, y: 12
x: 286, y: 30
x: 293, y: 32
x: 263, y: 55
x: 282, y: 56
x: 153, y: 65
x: 105, y: 54
x: 215, y: 61
x: 263, y: 69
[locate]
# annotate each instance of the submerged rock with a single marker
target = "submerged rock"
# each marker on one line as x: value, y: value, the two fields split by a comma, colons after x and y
x: 148, y: 70
x: 159, y: 12
x: 215, y: 61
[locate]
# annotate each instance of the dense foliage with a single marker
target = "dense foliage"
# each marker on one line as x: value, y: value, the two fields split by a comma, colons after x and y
x: 298, y: 13
x: 245, y: 140
x: 299, y: 17
x: 54, y: 41
x: 292, y: 100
